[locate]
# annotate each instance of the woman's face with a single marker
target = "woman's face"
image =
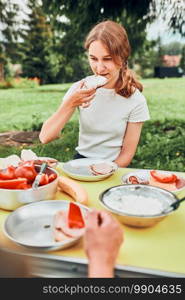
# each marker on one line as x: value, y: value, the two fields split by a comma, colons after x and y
x: 102, y: 63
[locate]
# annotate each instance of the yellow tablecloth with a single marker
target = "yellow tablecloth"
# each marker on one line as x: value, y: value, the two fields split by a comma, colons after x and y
x: 161, y: 247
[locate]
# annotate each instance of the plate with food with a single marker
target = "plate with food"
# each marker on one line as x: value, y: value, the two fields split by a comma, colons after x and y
x: 168, y: 180
x: 87, y: 169
x: 47, y: 225
x: 25, y: 156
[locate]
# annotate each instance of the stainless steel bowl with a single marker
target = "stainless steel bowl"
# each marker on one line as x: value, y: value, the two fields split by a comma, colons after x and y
x: 165, y: 197
x: 12, y: 199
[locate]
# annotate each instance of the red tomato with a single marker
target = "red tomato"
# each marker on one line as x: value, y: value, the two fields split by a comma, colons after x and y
x: 44, y: 179
x: 75, y: 218
x: 166, y: 177
x: 9, y: 173
x: 27, y: 172
x: 52, y: 177
x: 19, y: 183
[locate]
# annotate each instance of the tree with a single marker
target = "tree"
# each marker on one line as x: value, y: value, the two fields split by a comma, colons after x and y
x: 9, y: 34
x: 39, y: 59
x: 182, y: 63
x: 174, y: 12
x: 174, y: 48
x: 81, y: 15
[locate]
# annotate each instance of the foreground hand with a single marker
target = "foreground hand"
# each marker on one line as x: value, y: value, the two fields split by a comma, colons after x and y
x: 81, y: 97
x: 103, y: 238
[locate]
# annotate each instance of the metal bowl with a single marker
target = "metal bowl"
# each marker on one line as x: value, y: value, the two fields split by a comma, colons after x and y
x: 112, y: 198
x: 31, y: 225
x: 12, y: 199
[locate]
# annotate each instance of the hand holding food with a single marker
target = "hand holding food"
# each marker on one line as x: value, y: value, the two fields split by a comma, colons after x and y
x: 80, y: 96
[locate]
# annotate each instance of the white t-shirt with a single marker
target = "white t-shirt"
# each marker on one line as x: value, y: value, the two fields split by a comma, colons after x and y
x: 103, y: 123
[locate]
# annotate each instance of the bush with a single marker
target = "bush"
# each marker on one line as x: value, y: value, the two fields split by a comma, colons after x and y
x: 20, y: 83
x: 162, y: 146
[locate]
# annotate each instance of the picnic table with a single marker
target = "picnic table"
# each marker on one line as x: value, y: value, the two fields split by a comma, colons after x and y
x: 156, y: 251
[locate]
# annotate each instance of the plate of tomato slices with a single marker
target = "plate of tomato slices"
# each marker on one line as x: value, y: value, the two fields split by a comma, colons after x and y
x: 168, y: 180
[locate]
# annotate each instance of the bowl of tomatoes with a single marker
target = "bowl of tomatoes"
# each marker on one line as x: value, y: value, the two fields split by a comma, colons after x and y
x: 16, y: 185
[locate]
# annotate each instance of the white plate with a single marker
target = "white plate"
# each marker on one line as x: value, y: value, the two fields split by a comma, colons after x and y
x: 32, y: 225
x: 79, y: 169
x: 144, y: 175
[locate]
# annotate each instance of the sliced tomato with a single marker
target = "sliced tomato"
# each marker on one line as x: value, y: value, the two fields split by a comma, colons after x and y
x: 44, y: 179
x: 75, y: 218
x: 133, y: 179
x: 26, y: 171
x: 8, y: 173
x: 164, y: 177
x: 52, y: 177
x: 15, y: 184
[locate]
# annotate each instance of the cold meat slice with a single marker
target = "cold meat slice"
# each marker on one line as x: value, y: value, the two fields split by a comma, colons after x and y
x: 101, y: 169
x: 61, y: 227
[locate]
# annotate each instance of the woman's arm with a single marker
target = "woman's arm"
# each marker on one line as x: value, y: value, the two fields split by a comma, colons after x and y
x: 130, y: 142
x: 52, y: 127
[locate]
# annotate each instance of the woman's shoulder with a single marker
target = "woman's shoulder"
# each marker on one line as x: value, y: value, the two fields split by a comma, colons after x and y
x: 137, y: 96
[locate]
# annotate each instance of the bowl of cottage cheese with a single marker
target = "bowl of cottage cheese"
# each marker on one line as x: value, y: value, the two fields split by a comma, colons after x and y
x: 138, y: 205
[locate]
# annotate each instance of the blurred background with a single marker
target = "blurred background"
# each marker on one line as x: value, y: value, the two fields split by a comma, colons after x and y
x: 44, y: 39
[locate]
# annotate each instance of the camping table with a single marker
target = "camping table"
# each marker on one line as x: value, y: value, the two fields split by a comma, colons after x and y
x: 157, y: 251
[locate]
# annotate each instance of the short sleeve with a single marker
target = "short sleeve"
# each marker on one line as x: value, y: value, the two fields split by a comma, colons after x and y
x: 71, y: 90
x: 140, y: 112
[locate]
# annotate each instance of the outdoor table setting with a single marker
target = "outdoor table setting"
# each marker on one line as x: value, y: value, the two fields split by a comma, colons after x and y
x: 154, y: 251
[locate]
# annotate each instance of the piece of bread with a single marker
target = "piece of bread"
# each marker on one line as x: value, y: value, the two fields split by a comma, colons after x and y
x: 74, y: 189
x: 94, y: 81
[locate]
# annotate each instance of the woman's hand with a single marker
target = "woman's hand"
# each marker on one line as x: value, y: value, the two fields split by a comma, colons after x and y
x: 103, y: 238
x: 81, y: 97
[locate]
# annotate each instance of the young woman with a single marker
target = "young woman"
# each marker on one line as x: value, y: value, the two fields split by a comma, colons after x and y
x: 111, y: 117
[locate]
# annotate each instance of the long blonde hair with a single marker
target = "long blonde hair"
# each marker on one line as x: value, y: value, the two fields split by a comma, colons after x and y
x: 115, y: 39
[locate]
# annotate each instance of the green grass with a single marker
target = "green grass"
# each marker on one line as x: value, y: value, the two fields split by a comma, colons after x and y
x: 165, y: 98
x: 162, y: 144
x: 20, y: 108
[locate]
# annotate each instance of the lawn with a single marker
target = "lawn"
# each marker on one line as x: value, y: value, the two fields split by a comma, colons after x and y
x: 20, y: 108
x: 162, y: 143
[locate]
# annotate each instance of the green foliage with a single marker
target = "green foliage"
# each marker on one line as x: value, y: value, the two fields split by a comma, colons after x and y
x: 162, y: 146
x: 81, y: 16
x: 145, y: 60
x: 182, y: 62
x: 19, y: 83
x: 39, y: 58
x: 174, y: 48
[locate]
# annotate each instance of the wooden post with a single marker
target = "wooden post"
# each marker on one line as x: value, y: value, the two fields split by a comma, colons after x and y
x: 1, y: 71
